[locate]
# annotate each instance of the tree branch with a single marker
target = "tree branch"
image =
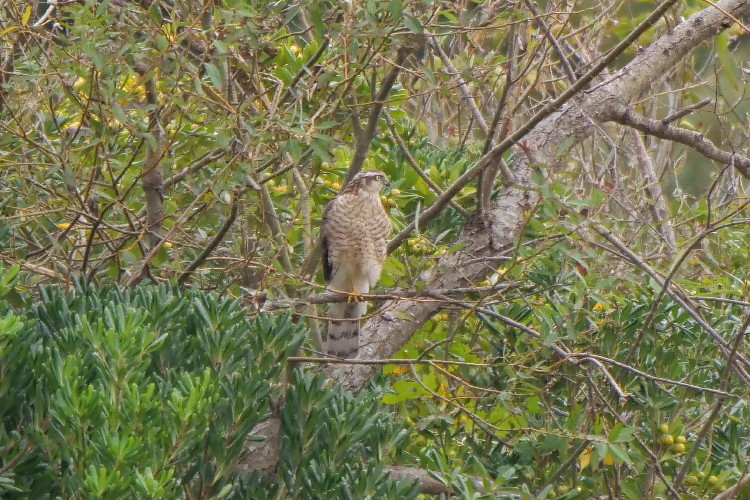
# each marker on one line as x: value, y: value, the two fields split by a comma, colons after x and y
x: 657, y: 203
x: 427, y: 482
x: 734, y: 490
x: 212, y: 244
x: 695, y: 140
x: 547, y: 112
x: 335, y: 297
x: 723, y: 346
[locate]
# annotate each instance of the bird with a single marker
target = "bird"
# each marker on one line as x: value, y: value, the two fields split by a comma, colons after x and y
x: 354, y: 231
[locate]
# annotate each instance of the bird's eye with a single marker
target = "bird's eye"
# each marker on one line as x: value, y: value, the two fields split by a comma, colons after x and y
x: 379, y: 177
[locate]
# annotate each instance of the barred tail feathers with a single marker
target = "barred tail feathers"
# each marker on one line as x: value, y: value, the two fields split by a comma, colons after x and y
x: 343, y: 329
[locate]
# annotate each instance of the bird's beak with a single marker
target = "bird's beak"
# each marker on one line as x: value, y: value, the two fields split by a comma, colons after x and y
x: 387, y: 183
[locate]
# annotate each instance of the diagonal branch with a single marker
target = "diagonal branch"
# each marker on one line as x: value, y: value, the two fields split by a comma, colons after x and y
x: 654, y: 192
x: 723, y: 346
x: 212, y: 244
x: 695, y: 140
x: 547, y: 112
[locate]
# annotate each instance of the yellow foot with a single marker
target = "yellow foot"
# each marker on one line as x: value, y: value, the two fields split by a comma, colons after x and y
x: 354, y: 296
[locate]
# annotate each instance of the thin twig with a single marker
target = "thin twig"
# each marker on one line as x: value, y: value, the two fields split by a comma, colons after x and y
x: 462, y: 88
x: 362, y: 142
x: 721, y: 299
x: 648, y: 376
x: 212, y: 244
x: 723, y: 347
x: 567, y: 68
x: 410, y: 159
x: 685, y: 111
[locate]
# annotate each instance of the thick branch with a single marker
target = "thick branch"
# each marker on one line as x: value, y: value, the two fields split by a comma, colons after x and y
x: 152, y: 179
x: 427, y: 483
x: 695, y: 140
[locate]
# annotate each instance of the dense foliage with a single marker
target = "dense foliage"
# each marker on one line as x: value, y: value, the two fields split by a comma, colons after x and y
x: 150, y: 393
x: 194, y: 145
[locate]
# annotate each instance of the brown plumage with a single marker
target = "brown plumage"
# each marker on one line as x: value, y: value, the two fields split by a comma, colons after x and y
x: 355, y: 228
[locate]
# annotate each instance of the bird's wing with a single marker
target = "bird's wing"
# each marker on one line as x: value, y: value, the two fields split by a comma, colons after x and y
x: 327, y: 268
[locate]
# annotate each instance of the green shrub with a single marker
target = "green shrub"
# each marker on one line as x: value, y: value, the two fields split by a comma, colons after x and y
x: 151, y: 392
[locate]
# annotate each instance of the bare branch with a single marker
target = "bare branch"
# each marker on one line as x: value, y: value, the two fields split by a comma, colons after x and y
x: 567, y: 68
x: 685, y: 111
x: 362, y: 143
x: 495, y: 153
x: 212, y: 244
x: 654, y: 192
x: 695, y: 140
x: 462, y: 88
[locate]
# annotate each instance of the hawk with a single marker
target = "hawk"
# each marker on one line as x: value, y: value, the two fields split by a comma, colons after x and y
x: 354, y: 231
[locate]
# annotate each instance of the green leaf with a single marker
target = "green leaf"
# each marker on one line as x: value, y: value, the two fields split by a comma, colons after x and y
x: 620, y: 434
x: 620, y: 453
x: 413, y: 24
x: 394, y: 9
x: 214, y: 75
x: 161, y: 43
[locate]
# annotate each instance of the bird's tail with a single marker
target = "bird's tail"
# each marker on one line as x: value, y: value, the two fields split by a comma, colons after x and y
x: 343, y: 329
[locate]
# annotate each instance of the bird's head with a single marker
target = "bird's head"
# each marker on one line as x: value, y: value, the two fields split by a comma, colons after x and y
x: 371, y: 181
